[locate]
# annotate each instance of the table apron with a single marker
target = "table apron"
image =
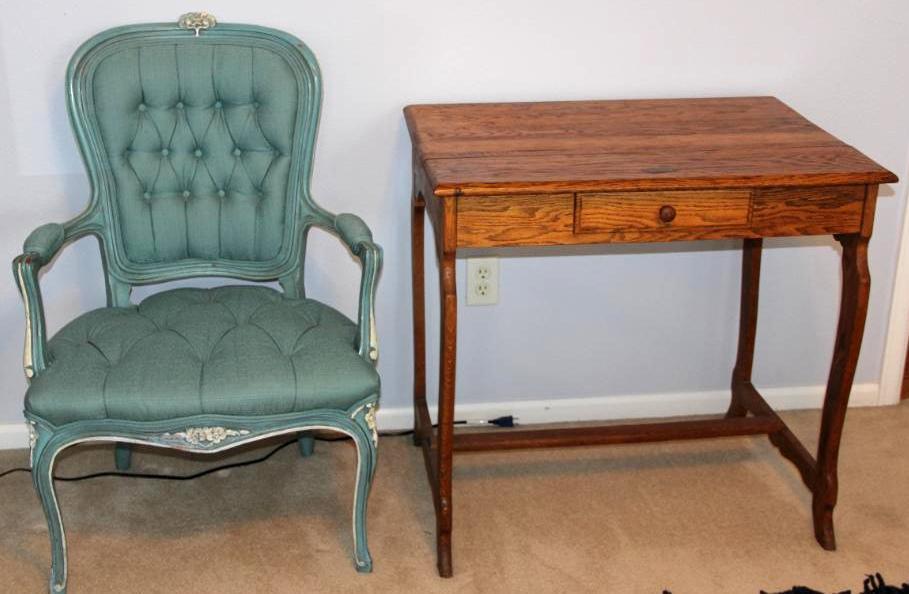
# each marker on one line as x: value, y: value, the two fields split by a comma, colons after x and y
x: 648, y: 216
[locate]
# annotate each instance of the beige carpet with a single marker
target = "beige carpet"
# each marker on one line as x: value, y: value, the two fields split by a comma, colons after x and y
x: 710, y: 516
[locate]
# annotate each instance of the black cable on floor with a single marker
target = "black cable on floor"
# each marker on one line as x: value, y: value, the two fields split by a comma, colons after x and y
x: 165, y: 477
x: 507, y: 421
x: 12, y: 470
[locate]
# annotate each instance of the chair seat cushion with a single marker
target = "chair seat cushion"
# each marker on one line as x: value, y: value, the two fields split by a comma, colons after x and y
x: 232, y: 350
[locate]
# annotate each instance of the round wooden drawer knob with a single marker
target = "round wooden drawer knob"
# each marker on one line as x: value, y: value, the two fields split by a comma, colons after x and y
x: 667, y: 214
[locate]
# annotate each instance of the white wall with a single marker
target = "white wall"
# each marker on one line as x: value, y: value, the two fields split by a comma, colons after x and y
x: 619, y: 320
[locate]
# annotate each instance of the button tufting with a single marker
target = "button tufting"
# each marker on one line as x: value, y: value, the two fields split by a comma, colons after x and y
x: 218, y: 105
x: 198, y: 152
x: 186, y: 193
x: 146, y: 195
x: 221, y: 326
x: 165, y: 151
x: 142, y: 107
x: 222, y: 193
x: 237, y: 152
x: 179, y: 105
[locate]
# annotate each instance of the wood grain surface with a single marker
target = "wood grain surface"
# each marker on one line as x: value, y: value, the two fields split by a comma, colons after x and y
x: 574, y: 146
x: 485, y: 221
x: 634, y: 217
x: 808, y: 211
x: 613, y: 211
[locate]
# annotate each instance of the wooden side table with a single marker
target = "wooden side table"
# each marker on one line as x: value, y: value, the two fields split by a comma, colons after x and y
x: 537, y: 174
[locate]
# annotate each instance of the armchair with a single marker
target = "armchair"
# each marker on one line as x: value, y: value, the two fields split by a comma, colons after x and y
x: 198, y: 142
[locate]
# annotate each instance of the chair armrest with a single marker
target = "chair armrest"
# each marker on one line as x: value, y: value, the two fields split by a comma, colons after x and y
x: 352, y: 230
x: 358, y: 238
x: 39, y: 248
x: 45, y: 241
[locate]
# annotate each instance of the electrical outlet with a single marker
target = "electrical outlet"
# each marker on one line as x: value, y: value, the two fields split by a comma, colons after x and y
x: 482, y: 281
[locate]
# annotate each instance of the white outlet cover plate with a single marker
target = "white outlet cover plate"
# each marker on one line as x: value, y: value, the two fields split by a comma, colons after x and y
x: 482, y: 281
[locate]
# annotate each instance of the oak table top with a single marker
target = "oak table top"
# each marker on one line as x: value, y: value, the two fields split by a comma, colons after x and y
x: 573, y: 146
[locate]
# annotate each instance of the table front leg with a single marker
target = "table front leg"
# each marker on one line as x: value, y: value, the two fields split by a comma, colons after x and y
x: 448, y: 348
x: 853, y: 307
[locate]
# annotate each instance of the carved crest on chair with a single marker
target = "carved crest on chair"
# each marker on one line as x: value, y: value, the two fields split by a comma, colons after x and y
x: 197, y: 21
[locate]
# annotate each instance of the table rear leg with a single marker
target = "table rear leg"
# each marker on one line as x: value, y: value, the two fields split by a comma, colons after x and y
x: 419, y: 317
x: 751, y: 278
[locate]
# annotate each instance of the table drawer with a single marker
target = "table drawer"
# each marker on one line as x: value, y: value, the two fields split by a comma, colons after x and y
x: 628, y: 211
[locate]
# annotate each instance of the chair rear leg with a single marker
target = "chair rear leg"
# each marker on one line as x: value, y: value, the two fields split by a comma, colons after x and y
x: 307, y: 444
x: 123, y: 455
x: 42, y: 477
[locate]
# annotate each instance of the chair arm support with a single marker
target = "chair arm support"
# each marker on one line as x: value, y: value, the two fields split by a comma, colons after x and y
x: 358, y: 238
x: 25, y: 271
x: 39, y: 248
x: 371, y: 259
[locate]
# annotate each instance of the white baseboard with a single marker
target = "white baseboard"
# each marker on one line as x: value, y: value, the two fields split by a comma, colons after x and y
x: 560, y: 410
x: 635, y: 406
x: 13, y: 436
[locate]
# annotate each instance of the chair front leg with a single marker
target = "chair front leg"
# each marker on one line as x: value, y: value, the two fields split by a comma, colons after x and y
x: 43, y: 454
x: 365, y: 437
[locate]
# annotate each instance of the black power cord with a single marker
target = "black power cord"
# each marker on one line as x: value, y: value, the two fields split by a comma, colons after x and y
x: 506, y: 421
x: 12, y: 470
x: 165, y: 477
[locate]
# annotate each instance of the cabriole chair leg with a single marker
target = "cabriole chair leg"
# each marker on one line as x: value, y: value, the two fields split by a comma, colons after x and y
x: 42, y: 477
x: 364, y: 437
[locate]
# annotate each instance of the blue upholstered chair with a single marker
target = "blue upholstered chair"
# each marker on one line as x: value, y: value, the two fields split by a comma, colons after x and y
x: 198, y: 140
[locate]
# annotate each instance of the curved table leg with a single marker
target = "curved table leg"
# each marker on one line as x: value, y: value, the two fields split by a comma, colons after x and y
x: 853, y: 307
x: 448, y: 347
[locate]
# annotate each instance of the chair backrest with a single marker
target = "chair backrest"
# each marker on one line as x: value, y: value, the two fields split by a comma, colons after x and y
x: 199, y: 150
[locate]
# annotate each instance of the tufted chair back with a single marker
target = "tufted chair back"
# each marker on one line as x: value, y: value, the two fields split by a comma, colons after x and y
x: 199, y: 151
